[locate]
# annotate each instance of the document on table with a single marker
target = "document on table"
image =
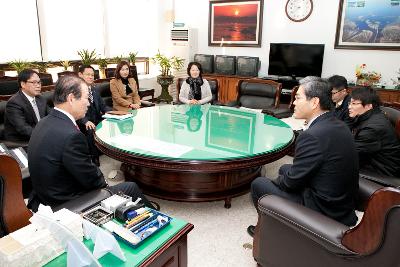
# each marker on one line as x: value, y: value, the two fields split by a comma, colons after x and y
x: 150, y: 144
x: 295, y: 124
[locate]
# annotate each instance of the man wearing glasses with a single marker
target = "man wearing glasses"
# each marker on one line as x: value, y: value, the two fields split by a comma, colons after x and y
x: 341, y: 98
x: 25, y: 109
x: 376, y: 142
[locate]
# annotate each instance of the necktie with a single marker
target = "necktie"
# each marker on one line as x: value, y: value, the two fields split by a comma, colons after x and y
x: 36, y: 110
x: 90, y: 95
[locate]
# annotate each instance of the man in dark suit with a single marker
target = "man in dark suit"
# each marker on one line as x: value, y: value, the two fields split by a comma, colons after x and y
x: 59, y: 161
x: 324, y: 173
x: 25, y: 108
x: 341, y: 98
x: 94, y: 113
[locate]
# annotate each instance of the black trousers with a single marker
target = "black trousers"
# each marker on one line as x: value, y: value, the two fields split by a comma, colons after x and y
x: 131, y: 189
x: 264, y: 186
x: 93, y: 150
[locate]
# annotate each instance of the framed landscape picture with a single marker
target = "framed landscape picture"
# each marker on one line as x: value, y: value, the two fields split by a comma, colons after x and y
x: 368, y: 24
x: 235, y: 23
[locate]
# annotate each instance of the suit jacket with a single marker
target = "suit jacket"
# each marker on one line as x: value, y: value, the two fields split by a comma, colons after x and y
x: 121, y: 100
x: 20, y: 119
x: 377, y: 144
x: 324, y: 169
x: 96, y: 109
x: 59, y: 161
x: 342, y: 112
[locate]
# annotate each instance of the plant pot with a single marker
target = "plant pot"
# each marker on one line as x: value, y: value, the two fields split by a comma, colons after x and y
x: 165, y: 82
x: 102, y: 73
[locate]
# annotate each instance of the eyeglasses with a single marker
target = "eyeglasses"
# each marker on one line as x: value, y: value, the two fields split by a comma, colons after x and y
x: 35, y: 82
x: 335, y: 92
x: 355, y: 103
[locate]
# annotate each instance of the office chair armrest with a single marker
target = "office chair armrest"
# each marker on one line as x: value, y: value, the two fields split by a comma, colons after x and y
x: 309, y: 223
x: 365, y: 190
x: 382, y: 179
x: 146, y: 104
x: 232, y: 104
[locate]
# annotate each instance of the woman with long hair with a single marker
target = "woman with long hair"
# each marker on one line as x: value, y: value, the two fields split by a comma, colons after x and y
x: 124, y: 89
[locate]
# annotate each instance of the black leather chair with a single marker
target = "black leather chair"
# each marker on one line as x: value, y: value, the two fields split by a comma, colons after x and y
x: 67, y: 72
x: 257, y: 94
x: 284, y: 110
x: 46, y: 79
x: 289, y: 234
x: 393, y: 114
x: 213, y: 86
x: 9, y: 86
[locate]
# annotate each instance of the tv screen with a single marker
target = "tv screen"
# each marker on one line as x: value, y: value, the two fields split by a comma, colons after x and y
x: 225, y: 64
x: 295, y: 60
x: 247, y: 66
x: 206, y: 61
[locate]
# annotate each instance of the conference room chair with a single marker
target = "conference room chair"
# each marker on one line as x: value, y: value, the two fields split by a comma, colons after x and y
x: 284, y: 110
x: 9, y: 86
x: 213, y: 86
x: 67, y: 72
x: 46, y: 79
x: 393, y: 114
x: 14, y: 214
x: 258, y: 94
x: 289, y: 234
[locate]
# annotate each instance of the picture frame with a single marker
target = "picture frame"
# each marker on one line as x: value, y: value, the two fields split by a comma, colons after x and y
x: 368, y: 24
x: 235, y: 23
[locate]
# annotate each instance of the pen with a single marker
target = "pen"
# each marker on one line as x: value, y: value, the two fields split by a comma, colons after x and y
x: 137, y: 217
x: 144, y: 227
x: 138, y: 220
x: 139, y: 225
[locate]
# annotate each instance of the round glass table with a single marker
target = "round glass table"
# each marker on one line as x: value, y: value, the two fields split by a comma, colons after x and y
x: 194, y: 153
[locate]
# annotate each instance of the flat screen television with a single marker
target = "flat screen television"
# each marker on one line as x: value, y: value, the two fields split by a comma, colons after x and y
x: 206, y: 61
x: 296, y: 60
x: 225, y: 65
x: 247, y: 66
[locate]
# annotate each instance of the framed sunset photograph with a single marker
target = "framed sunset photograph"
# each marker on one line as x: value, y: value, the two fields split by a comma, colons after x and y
x: 368, y: 24
x: 235, y: 23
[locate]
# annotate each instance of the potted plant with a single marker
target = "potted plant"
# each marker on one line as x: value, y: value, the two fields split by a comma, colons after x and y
x: 19, y: 65
x: 102, y: 62
x: 132, y: 57
x: 87, y: 57
x: 166, y: 78
x: 65, y: 64
x: 42, y: 66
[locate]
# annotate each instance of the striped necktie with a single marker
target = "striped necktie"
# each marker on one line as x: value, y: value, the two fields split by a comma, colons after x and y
x: 90, y: 95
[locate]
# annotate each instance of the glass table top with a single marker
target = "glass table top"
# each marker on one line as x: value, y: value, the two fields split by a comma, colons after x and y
x: 194, y: 132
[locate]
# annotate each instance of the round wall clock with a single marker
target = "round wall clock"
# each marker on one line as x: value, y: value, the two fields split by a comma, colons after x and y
x: 298, y: 10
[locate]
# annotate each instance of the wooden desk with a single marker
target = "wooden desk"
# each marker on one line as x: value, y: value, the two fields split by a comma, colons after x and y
x: 166, y: 248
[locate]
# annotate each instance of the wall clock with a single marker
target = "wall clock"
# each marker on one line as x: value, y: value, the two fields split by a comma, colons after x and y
x: 298, y: 10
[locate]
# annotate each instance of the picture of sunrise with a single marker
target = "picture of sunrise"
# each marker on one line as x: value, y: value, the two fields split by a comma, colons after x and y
x: 235, y: 22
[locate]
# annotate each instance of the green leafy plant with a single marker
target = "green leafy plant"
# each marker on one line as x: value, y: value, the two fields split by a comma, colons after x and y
x: 102, y: 62
x: 42, y: 66
x: 118, y: 59
x: 87, y: 57
x: 132, y: 57
x: 19, y: 65
x: 167, y: 64
x: 65, y: 64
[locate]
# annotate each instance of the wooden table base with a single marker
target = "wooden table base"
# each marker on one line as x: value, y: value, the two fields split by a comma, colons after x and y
x: 191, y: 186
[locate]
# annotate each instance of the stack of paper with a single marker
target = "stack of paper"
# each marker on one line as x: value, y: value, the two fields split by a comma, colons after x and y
x: 117, y: 117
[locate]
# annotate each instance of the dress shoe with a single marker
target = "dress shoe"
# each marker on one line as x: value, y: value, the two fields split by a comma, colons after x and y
x: 155, y: 205
x: 250, y: 230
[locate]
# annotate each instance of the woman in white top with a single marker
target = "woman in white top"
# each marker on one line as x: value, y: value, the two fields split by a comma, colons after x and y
x: 195, y: 90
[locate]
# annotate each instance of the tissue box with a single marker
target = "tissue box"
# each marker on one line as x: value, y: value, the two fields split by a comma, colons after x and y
x: 30, y: 246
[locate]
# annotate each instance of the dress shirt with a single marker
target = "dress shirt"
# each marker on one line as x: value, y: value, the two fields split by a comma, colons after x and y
x: 67, y: 114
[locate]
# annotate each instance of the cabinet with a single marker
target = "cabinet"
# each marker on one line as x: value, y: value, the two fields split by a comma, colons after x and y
x: 386, y: 95
x: 227, y: 86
